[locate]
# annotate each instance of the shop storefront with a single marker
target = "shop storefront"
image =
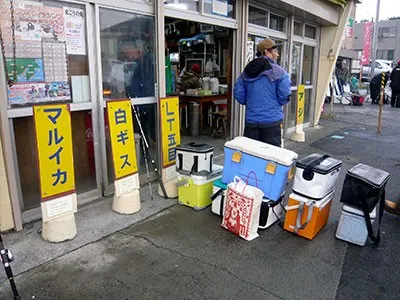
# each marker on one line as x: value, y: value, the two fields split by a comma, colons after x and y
x: 87, y: 53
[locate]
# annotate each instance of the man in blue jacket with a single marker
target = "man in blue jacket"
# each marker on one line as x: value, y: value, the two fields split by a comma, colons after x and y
x: 264, y: 87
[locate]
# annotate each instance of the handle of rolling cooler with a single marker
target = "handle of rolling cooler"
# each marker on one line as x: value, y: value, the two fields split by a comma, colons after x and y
x: 181, y: 183
x: 308, y: 173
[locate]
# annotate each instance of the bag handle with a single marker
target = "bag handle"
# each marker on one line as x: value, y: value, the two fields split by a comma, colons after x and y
x: 308, y: 173
x: 298, y: 225
x: 376, y: 239
x: 247, y: 180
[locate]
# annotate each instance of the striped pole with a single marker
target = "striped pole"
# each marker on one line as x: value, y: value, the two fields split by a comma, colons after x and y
x: 382, y: 95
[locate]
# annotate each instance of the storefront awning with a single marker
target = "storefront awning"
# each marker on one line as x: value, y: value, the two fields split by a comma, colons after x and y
x: 339, y: 2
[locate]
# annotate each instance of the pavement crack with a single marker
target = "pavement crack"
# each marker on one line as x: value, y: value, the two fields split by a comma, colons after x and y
x: 223, y: 269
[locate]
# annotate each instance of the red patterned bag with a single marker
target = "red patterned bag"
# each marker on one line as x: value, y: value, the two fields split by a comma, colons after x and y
x: 242, y: 209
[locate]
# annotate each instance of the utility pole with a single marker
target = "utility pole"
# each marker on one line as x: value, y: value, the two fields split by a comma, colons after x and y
x: 375, y: 38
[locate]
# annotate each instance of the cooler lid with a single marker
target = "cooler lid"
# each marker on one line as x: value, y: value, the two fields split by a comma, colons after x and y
x: 266, y: 151
x: 324, y: 164
x: 218, y: 183
x: 318, y: 203
x: 195, y: 147
x: 359, y: 212
x: 370, y: 175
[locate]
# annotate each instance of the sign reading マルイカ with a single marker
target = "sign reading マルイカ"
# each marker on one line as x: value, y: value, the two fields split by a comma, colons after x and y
x: 55, y: 152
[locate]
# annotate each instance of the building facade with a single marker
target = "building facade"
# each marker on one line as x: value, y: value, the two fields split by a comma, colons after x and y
x: 76, y: 52
x: 388, y: 41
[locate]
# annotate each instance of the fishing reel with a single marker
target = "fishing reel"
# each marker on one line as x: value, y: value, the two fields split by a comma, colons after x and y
x: 6, y: 256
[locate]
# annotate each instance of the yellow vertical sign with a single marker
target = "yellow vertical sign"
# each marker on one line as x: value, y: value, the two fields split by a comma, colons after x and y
x: 122, y: 138
x: 55, y: 153
x: 300, y: 105
x: 170, y: 129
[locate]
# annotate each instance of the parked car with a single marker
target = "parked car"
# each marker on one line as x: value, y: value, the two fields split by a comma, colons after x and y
x: 381, y: 65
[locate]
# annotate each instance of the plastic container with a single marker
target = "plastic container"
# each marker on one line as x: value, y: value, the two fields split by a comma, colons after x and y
x: 270, y: 213
x: 194, y: 159
x: 272, y: 165
x: 218, y: 197
x: 352, y: 227
x: 306, y: 217
x: 196, y: 191
x: 364, y: 185
x: 316, y: 175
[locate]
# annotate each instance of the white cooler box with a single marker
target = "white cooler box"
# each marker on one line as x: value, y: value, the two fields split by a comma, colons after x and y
x: 270, y: 212
x: 194, y: 159
x: 352, y: 227
x: 316, y: 176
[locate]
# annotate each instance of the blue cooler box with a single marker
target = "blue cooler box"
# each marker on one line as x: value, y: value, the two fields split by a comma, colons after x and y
x: 273, y: 166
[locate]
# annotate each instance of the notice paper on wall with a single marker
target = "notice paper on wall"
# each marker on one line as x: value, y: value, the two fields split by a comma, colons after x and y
x: 220, y: 7
x: 74, y: 19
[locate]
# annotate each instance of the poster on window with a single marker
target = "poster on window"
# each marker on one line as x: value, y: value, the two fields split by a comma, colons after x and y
x: 250, y: 51
x: 33, y: 21
x: 27, y: 69
x: 74, y: 22
x: 220, y: 7
x: 30, y: 93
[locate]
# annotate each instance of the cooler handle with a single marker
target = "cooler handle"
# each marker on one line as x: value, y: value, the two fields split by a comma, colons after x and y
x: 298, y: 225
x: 195, y: 145
x: 308, y: 173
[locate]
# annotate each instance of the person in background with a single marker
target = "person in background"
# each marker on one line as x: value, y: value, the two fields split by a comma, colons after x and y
x: 191, y: 79
x: 395, y: 85
x: 264, y: 87
x: 142, y: 83
x: 375, y: 87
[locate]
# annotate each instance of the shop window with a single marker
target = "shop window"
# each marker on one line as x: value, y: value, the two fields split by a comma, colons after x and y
x: 295, y: 64
x: 51, y: 62
x: 224, y: 8
x: 298, y: 29
x: 307, y: 105
x: 387, y: 32
x: 192, y: 5
x: 292, y: 110
x: 308, y: 65
x: 310, y: 32
x: 258, y: 16
x: 277, y: 23
x: 390, y: 55
x: 127, y: 54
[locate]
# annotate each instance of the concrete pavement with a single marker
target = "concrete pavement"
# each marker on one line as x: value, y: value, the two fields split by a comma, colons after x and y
x: 180, y: 253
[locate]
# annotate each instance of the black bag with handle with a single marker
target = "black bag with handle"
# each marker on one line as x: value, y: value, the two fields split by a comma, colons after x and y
x: 364, y: 188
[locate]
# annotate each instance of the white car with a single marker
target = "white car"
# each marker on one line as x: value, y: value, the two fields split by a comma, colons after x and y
x: 380, y: 66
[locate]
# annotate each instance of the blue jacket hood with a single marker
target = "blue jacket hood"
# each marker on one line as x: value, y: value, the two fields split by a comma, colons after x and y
x: 262, y: 66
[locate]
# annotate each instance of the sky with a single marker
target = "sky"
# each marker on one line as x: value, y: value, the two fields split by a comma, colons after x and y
x: 367, y: 9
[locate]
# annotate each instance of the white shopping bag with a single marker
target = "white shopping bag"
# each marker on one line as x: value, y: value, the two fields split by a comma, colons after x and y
x: 242, y: 209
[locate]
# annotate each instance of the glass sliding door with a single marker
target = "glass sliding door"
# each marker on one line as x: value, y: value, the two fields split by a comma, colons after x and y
x: 127, y: 42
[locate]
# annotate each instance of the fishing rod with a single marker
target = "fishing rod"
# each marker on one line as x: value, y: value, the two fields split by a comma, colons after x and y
x: 147, y: 155
x: 6, y: 258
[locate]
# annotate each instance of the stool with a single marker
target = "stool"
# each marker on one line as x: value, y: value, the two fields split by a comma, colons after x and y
x: 221, y: 123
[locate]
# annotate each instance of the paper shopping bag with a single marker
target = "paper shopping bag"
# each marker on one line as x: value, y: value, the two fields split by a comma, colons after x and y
x: 242, y: 209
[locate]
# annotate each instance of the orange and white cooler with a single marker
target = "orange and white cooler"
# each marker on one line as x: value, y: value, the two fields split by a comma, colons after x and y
x: 306, y: 217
